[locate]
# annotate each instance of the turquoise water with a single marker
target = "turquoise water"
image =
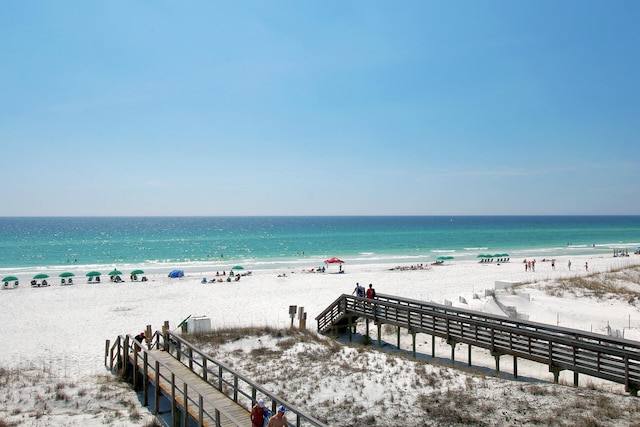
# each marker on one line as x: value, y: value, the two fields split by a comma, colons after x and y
x: 32, y: 243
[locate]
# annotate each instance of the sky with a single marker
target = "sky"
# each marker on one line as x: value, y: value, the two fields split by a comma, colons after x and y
x: 119, y: 108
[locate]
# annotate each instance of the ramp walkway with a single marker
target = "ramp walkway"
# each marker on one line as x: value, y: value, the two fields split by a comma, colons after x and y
x: 201, y: 390
x: 600, y: 356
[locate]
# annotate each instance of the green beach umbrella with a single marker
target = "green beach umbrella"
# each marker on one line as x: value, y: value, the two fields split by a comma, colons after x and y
x: 93, y: 274
x: 66, y: 274
x: 41, y: 276
x: 115, y: 273
x: 237, y: 267
x: 10, y: 279
x: 136, y: 272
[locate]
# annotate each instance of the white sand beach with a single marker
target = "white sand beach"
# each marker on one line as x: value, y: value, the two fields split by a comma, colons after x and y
x: 63, y: 328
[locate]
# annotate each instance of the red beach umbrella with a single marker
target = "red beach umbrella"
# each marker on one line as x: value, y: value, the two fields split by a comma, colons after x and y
x: 333, y: 260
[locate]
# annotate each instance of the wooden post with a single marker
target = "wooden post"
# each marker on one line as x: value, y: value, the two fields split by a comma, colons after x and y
x: 575, y: 379
x: 413, y: 341
x: 497, y: 357
x: 205, y: 373
x: 125, y: 353
x: 235, y: 388
x: 367, y: 326
x: 350, y: 332
x: 165, y: 335
x: 433, y: 346
x: 156, y: 392
x: 515, y: 367
x: 469, y: 355
x: 379, y: 335
x: 174, y: 415
x: 453, y: 352
x: 135, y: 370
x: 106, y: 353
x: 185, y: 415
x: 148, y: 336
x: 200, y: 410
x: 303, y: 320
x: 145, y: 380
x: 398, y: 338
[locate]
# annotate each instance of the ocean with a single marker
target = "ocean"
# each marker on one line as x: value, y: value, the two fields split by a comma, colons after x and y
x: 29, y: 244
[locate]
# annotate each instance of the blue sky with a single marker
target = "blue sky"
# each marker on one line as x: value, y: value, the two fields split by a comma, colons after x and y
x: 319, y: 108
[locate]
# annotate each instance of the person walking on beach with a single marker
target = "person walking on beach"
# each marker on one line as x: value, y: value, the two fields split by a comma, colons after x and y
x: 358, y: 291
x: 279, y: 420
x: 257, y: 414
x: 586, y: 266
x: 569, y: 265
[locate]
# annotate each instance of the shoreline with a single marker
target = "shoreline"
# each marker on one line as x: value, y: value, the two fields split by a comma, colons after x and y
x: 25, y: 274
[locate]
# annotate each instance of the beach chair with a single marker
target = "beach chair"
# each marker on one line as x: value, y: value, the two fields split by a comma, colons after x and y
x: 63, y: 281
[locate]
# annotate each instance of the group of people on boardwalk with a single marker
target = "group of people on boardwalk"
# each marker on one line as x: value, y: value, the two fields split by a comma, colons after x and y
x: 261, y: 416
x: 359, y: 291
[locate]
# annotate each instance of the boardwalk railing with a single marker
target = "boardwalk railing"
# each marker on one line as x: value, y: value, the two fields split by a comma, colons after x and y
x: 600, y: 356
x: 128, y: 357
x: 219, y: 376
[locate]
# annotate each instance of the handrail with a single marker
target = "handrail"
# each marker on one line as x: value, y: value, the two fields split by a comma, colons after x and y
x: 128, y: 345
x: 209, y: 368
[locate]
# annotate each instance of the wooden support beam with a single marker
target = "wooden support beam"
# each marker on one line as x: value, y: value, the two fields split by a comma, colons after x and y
x: 174, y: 407
x: 413, y: 339
x: 145, y: 381
x: 156, y: 391
x: 515, y: 367
x: 433, y: 346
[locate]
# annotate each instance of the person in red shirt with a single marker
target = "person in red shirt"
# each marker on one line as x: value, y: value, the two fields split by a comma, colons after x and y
x: 257, y: 414
x: 371, y: 293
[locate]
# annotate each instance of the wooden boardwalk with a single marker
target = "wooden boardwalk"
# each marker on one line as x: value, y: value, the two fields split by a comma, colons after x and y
x: 187, y: 389
x: 201, y: 390
x: 600, y: 356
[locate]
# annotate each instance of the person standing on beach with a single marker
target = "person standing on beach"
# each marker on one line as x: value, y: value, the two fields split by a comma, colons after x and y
x: 279, y: 420
x: 586, y: 266
x: 569, y: 265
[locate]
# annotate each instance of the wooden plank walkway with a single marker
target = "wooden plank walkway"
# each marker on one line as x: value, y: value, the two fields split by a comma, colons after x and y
x: 600, y: 356
x: 203, y: 401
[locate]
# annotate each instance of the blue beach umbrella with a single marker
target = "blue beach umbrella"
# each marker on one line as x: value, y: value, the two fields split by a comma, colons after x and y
x: 176, y: 273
